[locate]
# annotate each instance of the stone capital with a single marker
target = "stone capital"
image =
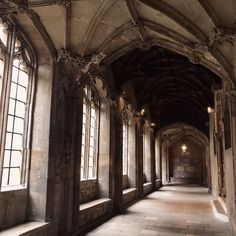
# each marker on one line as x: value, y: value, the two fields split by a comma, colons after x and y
x: 77, y: 70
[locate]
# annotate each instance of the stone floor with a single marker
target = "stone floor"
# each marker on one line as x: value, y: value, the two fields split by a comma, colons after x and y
x: 172, y: 211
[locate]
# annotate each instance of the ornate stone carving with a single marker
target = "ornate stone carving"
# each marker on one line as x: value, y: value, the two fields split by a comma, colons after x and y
x: 64, y: 3
x: 76, y: 70
x: 14, y: 7
x: 222, y: 35
x: 197, y: 47
x: 22, y: 6
x: 85, y: 62
x: 194, y: 57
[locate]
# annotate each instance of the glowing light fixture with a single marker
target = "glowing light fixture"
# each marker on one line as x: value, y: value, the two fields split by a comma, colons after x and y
x: 184, y: 147
x: 142, y: 112
x: 210, y: 110
x: 153, y: 125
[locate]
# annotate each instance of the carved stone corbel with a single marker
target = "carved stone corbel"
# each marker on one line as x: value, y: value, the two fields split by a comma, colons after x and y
x: 13, y: 7
x: 221, y: 35
x: 76, y: 70
x: 194, y: 57
x: 64, y: 3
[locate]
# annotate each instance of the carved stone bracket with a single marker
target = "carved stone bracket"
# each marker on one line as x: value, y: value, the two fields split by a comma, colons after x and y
x: 222, y: 35
x: 84, y: 63
x: 195, y: 51
x: 64, y: 3
x: 15, y: 7
x: 194, y: 57
x: 218, y: 35
x: 78, y: 69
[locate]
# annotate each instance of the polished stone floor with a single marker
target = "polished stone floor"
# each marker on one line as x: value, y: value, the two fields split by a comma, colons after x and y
x: 171, y: 211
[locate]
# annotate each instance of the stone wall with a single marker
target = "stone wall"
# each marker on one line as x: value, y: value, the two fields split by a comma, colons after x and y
x: 147, y: 188
x: 125, y: 181
x: 88, y: 190
x: 129, y: 196
x: 186, y: 167
x: 93, y: 212
x: 13, y: 206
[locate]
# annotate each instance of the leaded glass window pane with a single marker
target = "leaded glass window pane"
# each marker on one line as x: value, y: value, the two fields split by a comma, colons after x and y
x: 89, y: 133
x: 13, y: 159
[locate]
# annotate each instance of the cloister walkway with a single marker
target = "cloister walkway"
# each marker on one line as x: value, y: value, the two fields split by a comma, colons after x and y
x: 172, y: 210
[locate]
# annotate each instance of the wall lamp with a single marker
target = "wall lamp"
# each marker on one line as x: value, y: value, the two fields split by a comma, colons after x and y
x: 153, y: 125
x: 210, y: 110
x: 142, y: 112
x: 183, y: 146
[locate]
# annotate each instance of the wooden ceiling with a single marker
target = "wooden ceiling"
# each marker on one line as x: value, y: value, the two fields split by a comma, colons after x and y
x: 174, y: 89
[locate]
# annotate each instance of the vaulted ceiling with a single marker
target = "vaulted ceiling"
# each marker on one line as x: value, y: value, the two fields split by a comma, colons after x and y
x: 203, y: 30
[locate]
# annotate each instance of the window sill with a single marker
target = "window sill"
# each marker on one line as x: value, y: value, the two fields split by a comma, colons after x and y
x: 147, y: 184
x: 94, y: 203
x: 13, y: 188
x: 84, y: 180
x: 29, y: 228
x: 129, y: 190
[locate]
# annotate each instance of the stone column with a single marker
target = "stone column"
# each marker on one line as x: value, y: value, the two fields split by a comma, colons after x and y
x: 164, y: 163
x: 153, y: 161
x: 116, y: 157
x: 213, y: 159
x: 219, y: 143
x: 167, y: 165
x: 139, y: 153
x: 132, y: 168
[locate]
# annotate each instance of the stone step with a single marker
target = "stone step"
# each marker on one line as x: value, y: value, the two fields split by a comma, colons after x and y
x: 219, y: 210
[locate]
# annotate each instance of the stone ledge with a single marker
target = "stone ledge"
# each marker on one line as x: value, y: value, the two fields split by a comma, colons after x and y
x: 93, y: 212
x: 147, y: 188
x: 129, y: 190
x: 25, y: 229
x: 147, y: 184
x: 94, y: 203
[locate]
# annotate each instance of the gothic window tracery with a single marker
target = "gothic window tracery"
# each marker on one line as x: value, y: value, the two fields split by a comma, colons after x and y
x: 90, y: 124
x: 16, y: 69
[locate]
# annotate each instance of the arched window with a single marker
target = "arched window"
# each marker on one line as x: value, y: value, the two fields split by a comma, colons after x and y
x: 15, y: 86
x: 90, y: 124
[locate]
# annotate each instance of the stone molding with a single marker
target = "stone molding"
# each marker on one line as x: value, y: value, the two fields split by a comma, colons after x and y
x: 64, y: 3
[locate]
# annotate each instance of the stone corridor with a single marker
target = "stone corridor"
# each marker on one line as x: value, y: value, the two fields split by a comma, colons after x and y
x: 174, y: 210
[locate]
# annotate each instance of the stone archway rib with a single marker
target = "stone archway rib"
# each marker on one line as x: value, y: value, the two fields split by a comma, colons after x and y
x: 210, y: 12
x: 106, y: 4
x: 136, y: 19
x: 177, y: 17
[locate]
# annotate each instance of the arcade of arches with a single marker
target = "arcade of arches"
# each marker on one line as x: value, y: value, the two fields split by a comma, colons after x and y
x: 104, y: 102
